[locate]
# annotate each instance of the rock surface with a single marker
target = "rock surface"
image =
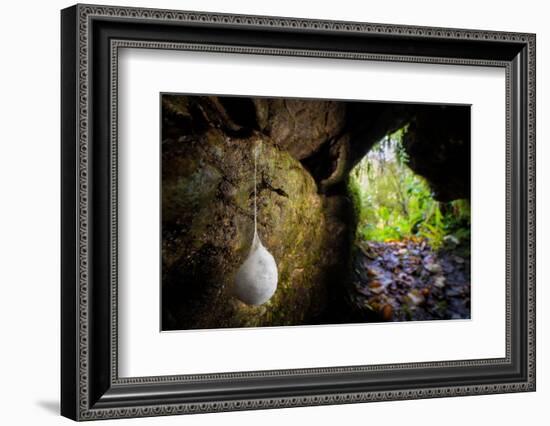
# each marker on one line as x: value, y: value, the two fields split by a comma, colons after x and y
x: 302, y: 126
x: 438, y: 144
x: 207, y: 205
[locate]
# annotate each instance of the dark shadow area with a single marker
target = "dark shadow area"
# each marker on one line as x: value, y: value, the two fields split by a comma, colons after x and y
x: 52, y: 407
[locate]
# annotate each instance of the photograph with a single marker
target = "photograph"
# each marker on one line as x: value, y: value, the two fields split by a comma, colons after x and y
x: 280, y: 211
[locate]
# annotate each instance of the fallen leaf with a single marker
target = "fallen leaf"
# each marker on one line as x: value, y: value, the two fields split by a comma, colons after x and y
x: 387, y: 313
x: 376, y: 290
x: 439, y: 281
x: 415, y: 297
x: 434, y: 268
x: 371, y: 272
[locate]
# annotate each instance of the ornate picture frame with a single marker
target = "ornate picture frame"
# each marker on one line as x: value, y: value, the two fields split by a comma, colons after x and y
x: 91, y: 38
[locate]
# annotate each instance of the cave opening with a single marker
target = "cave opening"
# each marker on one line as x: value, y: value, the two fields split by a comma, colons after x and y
x: 410, y: 252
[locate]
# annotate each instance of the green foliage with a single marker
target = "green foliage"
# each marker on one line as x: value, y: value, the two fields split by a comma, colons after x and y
x: 393, y: 203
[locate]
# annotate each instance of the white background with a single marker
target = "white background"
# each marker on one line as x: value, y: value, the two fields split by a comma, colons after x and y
x: 146, y: 352
x: 29, y: 229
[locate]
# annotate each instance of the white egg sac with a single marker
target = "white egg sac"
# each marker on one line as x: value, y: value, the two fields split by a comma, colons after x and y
x: 256, y: 279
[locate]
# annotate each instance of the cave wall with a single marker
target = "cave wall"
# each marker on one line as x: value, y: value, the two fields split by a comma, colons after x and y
x: 438, y: 144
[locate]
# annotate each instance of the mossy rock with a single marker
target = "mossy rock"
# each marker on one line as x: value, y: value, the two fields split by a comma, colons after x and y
x: 207, y: 229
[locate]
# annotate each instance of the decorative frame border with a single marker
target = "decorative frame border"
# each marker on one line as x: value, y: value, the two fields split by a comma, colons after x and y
x: 85, y: 409
x: 118, y: 44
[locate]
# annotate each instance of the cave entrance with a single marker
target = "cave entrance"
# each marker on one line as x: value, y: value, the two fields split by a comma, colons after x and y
x: 410, y: 257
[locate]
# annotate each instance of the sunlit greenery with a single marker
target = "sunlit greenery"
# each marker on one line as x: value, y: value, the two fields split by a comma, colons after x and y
x: 394, y: 203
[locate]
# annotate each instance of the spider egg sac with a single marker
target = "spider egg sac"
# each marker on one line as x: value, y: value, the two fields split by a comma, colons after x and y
x: 256, y: 279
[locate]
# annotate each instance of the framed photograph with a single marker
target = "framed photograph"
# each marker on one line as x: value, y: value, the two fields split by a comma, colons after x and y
x: 263, y: 212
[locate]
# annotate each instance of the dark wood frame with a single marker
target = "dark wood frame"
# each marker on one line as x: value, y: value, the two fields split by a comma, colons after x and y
x: 91, y: 37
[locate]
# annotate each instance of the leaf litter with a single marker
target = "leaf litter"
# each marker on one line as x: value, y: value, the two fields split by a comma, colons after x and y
x: 407, y: 280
